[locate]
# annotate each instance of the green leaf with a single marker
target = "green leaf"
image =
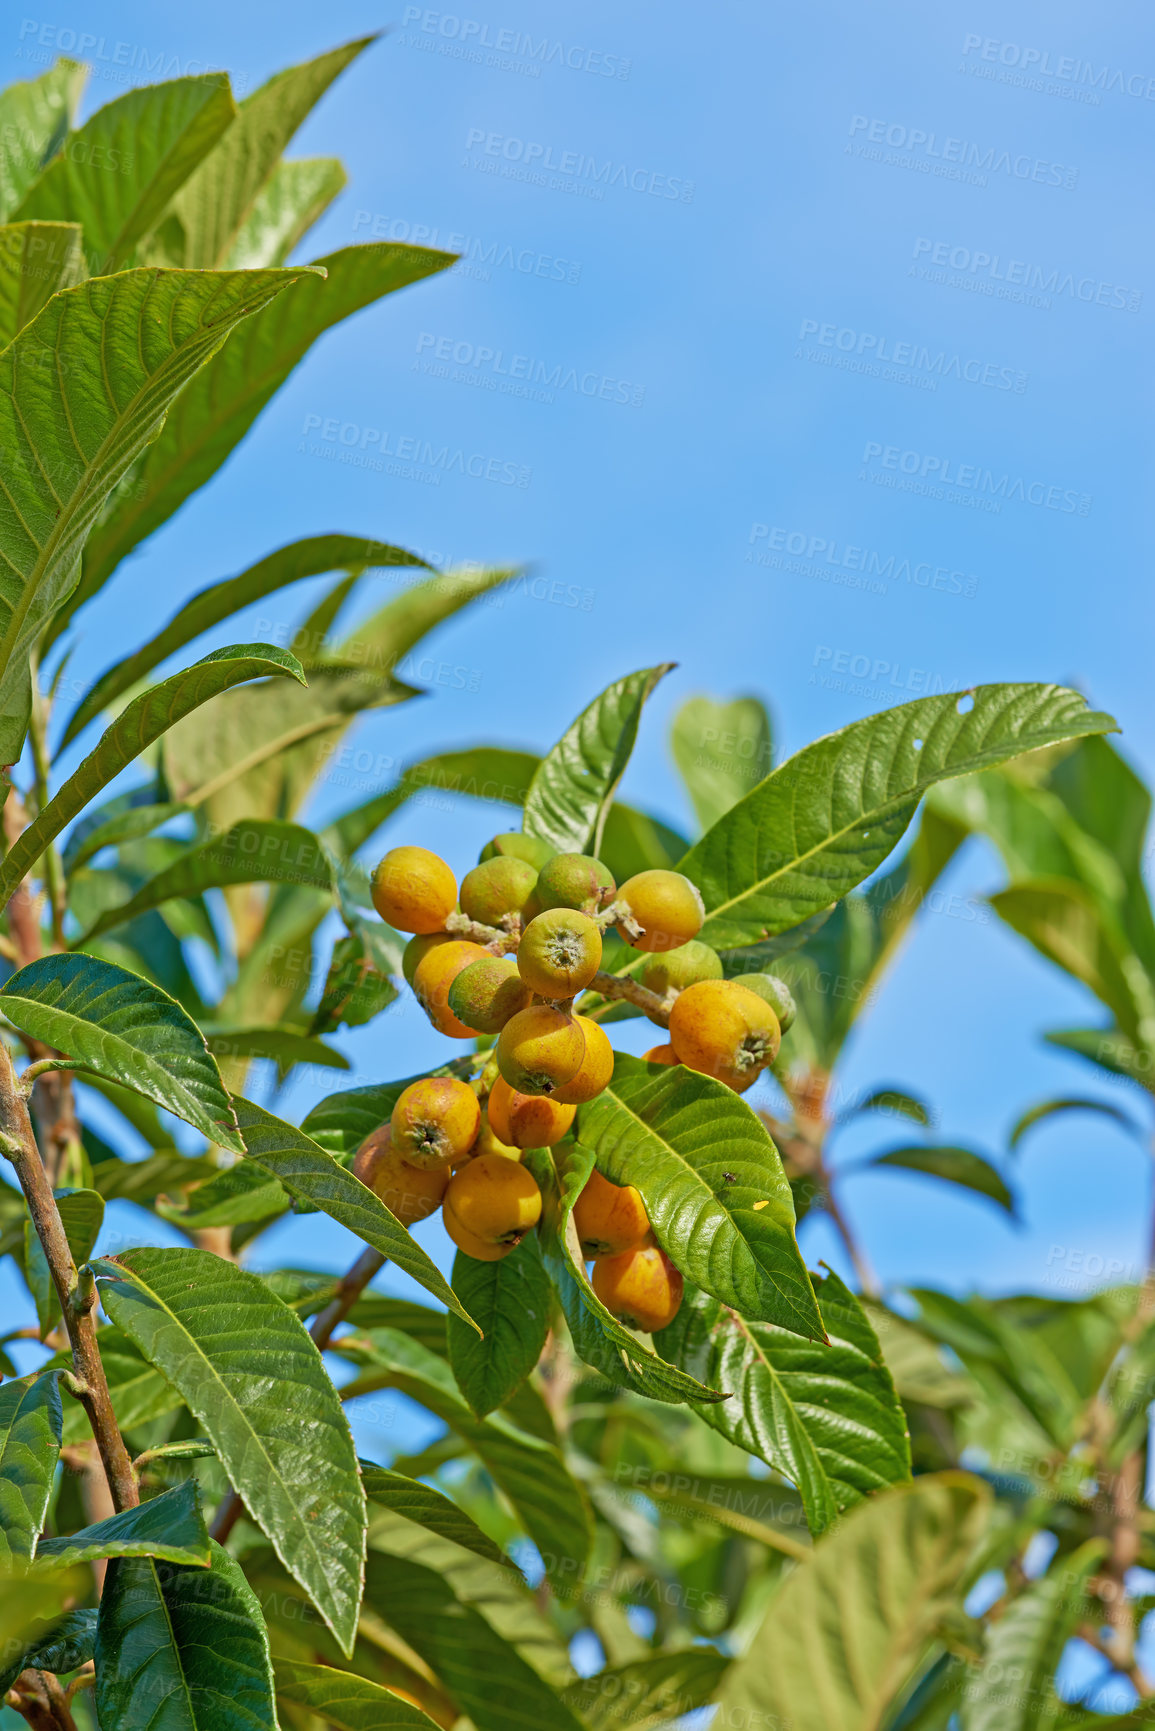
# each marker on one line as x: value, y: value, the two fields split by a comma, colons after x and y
x: 842, y: 1635
x: 31, y: 1420
x: 170, y: 1526
x: 307, y: 1170
x: 214, y: 414
x: 510, y: 1301
x: 428, y: 1508
x: 259, y: 850
x: 340, y: 1122
x: 290, y: 202
x: 390, y: 633
x: 71, y: 436
x: 345, y: 1701
x: 240, y: 1194
x: 82, y: 1214
x: 139, y: 1393
x: 1109, y: 1049
x: 183, y: 1648
x: 359, y: 984
x: 721, y: 750
x: 32, y: 1607
x: 285, y: 1046
x: 1070, y: 1103
x: 713, y: 1185
x: 826, y: 1417
x: 824, y: 820
x: 142, y: 721
x: 34, y: 118
x: 144, y: 1180
x: 653, y: 1691
x: 36, y: 259
x: 892, y: 1102
x: 488, y: 772
x: 67, y: 1648
x: 128, y: 1031
x: 311, y: 557
x: 114, y: 823
x: 247, y: 1369
x: 603, y: 1342
x: 1026, y: 1644
x: 960, y: 1166
x: 570, y: 794
x: 117, y: 173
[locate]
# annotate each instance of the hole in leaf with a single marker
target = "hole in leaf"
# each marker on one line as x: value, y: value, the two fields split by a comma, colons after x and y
x: 965, y: 703
x: 918, y: 745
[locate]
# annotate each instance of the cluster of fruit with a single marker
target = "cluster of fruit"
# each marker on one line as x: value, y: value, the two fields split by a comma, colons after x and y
x: 502, y: 960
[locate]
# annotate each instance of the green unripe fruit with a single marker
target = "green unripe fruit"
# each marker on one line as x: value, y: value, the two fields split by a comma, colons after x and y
x: 668, y: 970
x: 495, y: 888
x: 560, y: 952
x: 514, y: 845
x: 774, y: 992
x: 418, y: 948
x: 488, y: 992
x: 540, y: 1049
x: 575, y: 880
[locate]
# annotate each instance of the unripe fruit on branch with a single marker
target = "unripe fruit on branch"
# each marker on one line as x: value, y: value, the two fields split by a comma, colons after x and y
x: 597, y: 1067
x: 414, y: 889
x: 661, y: 1055
x: 723, y: 1030
x: 666, y: 906
x: 491, y: 1202
x: 436, y: 972
x: 674, y: 970
x: 559, y: 953
x: 526, y: 1120
x: 642, y: 1288
x: 487, y: 993
x: 514, y: 844
x: 575, y: 880
x: 411, y: 1193
x: 540, y: 1049
x: 435, y: 1121
x: 776, y: 993
x: 418, y: 948
x: 496, y: 888
x: 610, y: 1218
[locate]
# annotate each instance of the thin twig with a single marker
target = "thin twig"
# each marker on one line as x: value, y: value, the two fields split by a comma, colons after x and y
x: 652, y: 1004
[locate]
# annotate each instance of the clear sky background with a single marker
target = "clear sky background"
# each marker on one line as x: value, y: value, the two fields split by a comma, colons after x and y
x: 751, y: 322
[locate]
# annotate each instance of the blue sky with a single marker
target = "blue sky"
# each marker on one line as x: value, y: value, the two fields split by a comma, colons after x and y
x: 803, y: 203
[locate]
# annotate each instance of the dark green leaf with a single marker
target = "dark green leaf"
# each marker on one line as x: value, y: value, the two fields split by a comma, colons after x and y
x: 572, y: 788
x: 128, y: 1031
x: 81, y: 1213
x: 144, y: 1180
x: 509, y: 1301
x: 345, y: 1701
x: 893, y: 1103
x: 430, y: 1509
x: 359, y: 983
x: 1071, y: 1103
x: 36, y: 259
x: 34, y: 118
x: 30, y: 1431
x: 114, y: 823
x: 247, y: 1369
x: 653, y: 1691
x: 170, y: 1526
x: 721, y: 750
x: 956, y: 1165
x: 241, y: 1193
x: 1027, y: 1643
x: 66, y: 1649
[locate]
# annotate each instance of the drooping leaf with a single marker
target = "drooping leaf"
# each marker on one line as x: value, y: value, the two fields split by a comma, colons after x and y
x: 310, y: 557
x: 572, y: 787
x: 170, y: 1525
x: 826, y: 1417
x: 247, y: 1369
x: 1109, y: 1049
x: 347, y: 1702
x: 142, y: 721
x: 603, y: 1342
x: 240, y: 1194
x: 1027, y: 1643
x: 295, y: 195
x: 71, y: 436
x: 81, y: 1214
x: 1069, y: 1103
x: 825, y: 819
x: 307, y: 1170
x: 891, y: 1102
x: 713, y: 1185
x: 34, y: 118
x: 67, y: 1648
x: 31, y: 1421
x: 128, y: 1031
x: 721, y: 750
x: 960, y: 1166
x: 108, y: 827
x: 183, y: 1647
x: 648, y: 1692
x: 509, y: 1301
x: 388, y: 635
x: 36, y: 259
x: 430, y: 1509
x: 117, y: 173
x: 842, y: 1635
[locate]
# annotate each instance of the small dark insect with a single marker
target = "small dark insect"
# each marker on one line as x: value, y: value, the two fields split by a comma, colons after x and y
x: 729, y: 1178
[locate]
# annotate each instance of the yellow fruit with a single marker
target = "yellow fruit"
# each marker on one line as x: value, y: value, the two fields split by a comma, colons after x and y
x: 560, y: 952
x: 493, y: 1200
x: 418, y: 948
x: 471, y: 1245
x: 495, y: 888
x: 597, y: 1067
x: 488, y: 1142
x: 660, y: 1055
x: 721, y: 1029
x: 540, y: 1049
x: 435, y: 973
x: 435, y: 1121
x: 411, y: 1193
x: 642, y: 1288
x: 610, y: 1218
x: 488, y: 992
x: 414, y: 890
x: 666, y: 905
x: 526, y: 1120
